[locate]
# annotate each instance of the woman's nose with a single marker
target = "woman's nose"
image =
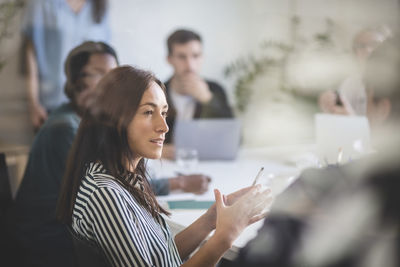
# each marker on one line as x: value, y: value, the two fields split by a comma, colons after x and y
x: 162, y: 125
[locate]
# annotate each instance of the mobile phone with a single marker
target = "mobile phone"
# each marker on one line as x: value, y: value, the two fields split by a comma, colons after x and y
x: 338, y: 99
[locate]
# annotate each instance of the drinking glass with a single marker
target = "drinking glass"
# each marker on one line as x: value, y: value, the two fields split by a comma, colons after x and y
x: 187, y: 160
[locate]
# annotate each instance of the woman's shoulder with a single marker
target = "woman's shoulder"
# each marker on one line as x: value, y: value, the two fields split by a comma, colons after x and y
x: 98, y: 185
x: 97, y: 175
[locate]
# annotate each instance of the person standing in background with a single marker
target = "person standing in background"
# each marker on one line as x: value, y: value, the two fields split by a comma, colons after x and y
x: 351, y: 96
x: 51, y: 28
x: 189, y: 95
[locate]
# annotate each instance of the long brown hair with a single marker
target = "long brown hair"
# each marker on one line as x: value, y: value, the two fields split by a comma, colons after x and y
x: 102, y: 137
x: 181, y: 36
x: 99, y: 9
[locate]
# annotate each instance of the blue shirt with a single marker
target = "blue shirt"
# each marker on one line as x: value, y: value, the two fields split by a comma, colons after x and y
x: 42, y: 240
x: 54, y: 30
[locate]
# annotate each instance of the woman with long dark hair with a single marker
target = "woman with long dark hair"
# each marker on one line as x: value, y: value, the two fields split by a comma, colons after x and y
x: 106, y: 197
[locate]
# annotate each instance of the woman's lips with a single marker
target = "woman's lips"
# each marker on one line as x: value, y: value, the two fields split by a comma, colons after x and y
x: 158, y: 141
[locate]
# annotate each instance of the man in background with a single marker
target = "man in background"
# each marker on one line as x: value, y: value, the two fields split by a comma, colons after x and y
x: 188, y: 94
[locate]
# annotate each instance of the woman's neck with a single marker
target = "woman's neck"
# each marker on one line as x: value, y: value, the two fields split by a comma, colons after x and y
x: 76, y: 5
x: 131, y: 166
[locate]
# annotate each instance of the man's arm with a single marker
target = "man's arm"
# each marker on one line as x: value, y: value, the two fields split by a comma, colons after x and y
x: 59, y: 138
x: 218, y: 106
x: 193, y: 85
x: 194, y: 183
x: 38, y: 113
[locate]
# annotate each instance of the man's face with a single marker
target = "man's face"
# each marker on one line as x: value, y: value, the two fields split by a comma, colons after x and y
x: 97, y: 66
x: 186, y: 58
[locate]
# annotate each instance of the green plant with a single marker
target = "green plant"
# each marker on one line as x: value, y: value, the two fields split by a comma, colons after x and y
x: 8, y: 10
x: 245, y: 70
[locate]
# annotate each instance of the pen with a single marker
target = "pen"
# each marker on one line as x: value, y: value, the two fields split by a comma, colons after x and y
x: 258, y: 176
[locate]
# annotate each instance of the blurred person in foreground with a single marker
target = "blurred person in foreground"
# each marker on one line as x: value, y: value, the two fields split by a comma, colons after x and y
x: 351, y: 96
x: 41, y: 239
x: 189, y: 95
x: 343, y: 215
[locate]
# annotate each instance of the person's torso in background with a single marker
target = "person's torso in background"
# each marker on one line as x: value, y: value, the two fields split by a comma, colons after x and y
x: 55, y: 29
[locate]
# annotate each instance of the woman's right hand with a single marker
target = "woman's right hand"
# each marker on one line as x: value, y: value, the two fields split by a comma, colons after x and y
x: 327, y: 102
x: 249, y: 208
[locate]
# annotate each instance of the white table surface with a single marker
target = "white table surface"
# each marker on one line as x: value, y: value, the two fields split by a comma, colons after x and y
x: 281, y: 167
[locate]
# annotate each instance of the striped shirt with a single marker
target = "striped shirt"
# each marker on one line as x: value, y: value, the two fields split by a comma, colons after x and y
x: 107, y: 214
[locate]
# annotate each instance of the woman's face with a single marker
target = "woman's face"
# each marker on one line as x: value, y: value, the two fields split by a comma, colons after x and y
x: 99, y: 64
x: 146, y: 131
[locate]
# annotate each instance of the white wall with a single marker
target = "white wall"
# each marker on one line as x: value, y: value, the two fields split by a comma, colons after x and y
x: 140, y: 29
x: 230, y: 29
x: 235, y: 28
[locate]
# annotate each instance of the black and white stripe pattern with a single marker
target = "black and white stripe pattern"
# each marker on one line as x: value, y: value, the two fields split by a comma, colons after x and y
x: 107, y: 214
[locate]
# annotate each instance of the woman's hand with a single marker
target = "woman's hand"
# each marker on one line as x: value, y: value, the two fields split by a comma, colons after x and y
x: 228, y: 200
x: 230, y: 215
x: 245, y: 210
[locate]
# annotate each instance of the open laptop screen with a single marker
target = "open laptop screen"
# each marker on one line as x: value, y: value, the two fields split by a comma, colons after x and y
x: 214, y: 139
x: 349, y: 134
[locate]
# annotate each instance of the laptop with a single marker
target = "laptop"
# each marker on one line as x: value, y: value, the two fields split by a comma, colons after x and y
x: 348, y: 134
x: 214, y: 139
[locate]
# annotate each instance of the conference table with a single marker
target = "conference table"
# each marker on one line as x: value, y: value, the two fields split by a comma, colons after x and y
x: 282, y: 166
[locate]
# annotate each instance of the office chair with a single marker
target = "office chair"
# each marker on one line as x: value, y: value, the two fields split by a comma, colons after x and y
x: 86, y: 253
x: 5, y: 206
x: 5, y: 189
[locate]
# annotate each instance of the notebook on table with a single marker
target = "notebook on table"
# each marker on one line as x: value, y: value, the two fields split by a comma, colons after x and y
x: 214, y: 139
x: 348, y: 134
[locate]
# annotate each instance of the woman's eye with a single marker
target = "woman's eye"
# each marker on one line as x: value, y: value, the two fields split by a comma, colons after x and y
x: 164, y: 114
x: 148, y: 112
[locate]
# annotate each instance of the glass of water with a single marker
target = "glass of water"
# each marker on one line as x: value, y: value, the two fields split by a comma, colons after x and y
x: 187, y: 160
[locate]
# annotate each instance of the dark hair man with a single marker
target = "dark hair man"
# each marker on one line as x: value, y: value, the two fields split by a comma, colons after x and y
x: 189, y: 95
